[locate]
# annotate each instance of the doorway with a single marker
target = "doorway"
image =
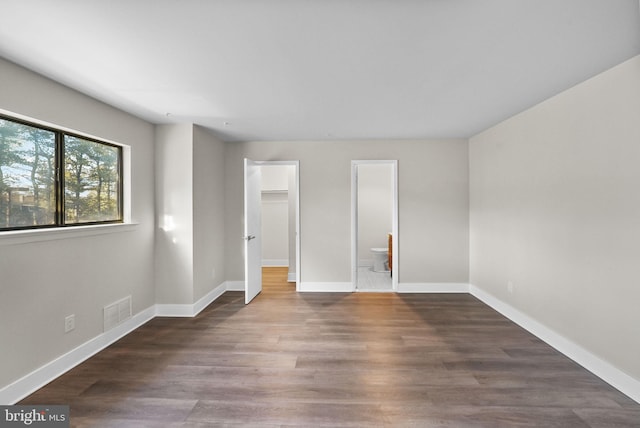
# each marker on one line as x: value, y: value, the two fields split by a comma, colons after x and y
x: 278, y: 203
x: 374, y: 225
x: 271, y: 186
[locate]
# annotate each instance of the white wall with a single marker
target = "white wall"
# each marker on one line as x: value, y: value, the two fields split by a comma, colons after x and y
x: 375, y: 209
x: 275, y: 215
x: 275, y: 229
x: 555, y: 209
x: 208, y: 212
x: 275, y: 177
x: 189, y: 207
x: 43, y: 282
x: 174, y: 211
x: 433, y: 195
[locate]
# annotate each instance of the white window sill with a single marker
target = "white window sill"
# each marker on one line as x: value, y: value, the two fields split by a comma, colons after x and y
x: 12, y: 237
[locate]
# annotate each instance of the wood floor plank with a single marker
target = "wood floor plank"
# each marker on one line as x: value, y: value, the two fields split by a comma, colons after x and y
x: 611, y: 419
x: 334, y: 359
x: 294, y: 414
x: 459, y: 416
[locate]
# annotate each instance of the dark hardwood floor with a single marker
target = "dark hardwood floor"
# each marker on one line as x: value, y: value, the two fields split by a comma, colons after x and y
x: 362, y: 359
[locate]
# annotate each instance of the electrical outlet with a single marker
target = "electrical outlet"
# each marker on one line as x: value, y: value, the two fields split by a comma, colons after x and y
x: 510, y: 287
x: 69, y: 323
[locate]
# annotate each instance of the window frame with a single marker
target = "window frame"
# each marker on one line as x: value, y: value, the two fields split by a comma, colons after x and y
x: 59, y: 177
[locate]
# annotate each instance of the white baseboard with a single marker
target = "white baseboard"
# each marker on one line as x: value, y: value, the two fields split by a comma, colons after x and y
x: 31, y: 382
x: 433, y: 287
x: 275, y: 262
x: 174, y: 310
x: 208, y: 298
x: 604, y: 370
x: 190, y: 310
x: 291, y: 277
x: 35, y: 380
x: 234, y: 285
x: 326, y: 287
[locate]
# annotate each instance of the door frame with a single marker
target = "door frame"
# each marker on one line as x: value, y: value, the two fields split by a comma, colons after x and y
x: 395, y: 256
x: 296, y: 164
x: 252, y: 230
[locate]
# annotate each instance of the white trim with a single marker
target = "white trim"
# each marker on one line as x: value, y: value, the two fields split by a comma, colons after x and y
x: 604, y: 370
x: 295, y: 163
x: 12, y: 237
x: 190, y: 310
x: 275, y: 262
x: 298, y: 244
x: 291, y: 277
x: 326, y: 287
x: 35, y: 380
x: 126, y: 183
x: 174, y: 310
x: 354, y: 224
x: 395, y: 233
x: 234, y: 285
x: 273, y: 197
x: 208, y: 298
x: 433, y: 287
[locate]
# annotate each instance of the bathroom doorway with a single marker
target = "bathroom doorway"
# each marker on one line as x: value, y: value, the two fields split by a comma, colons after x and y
x: 374, y: 225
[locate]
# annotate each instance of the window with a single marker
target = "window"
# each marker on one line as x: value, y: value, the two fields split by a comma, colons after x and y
x: 53, y: 178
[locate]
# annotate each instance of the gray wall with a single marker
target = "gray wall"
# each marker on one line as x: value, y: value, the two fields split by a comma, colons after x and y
x: 208, y: 212
x: 433, y: 191
x: 275, y: 215
x: 189, y: 207
x: 555, y: 209
x: 43, y: 282
x: 275, y: 229
x: 174, y: 212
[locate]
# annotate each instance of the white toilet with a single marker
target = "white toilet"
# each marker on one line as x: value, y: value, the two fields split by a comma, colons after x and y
x: 380, y: 258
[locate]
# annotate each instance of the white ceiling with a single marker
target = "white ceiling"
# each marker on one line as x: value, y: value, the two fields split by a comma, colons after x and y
x: 321, y: 69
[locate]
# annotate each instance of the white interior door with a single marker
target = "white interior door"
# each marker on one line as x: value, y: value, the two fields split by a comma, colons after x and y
x: 252, y: 230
